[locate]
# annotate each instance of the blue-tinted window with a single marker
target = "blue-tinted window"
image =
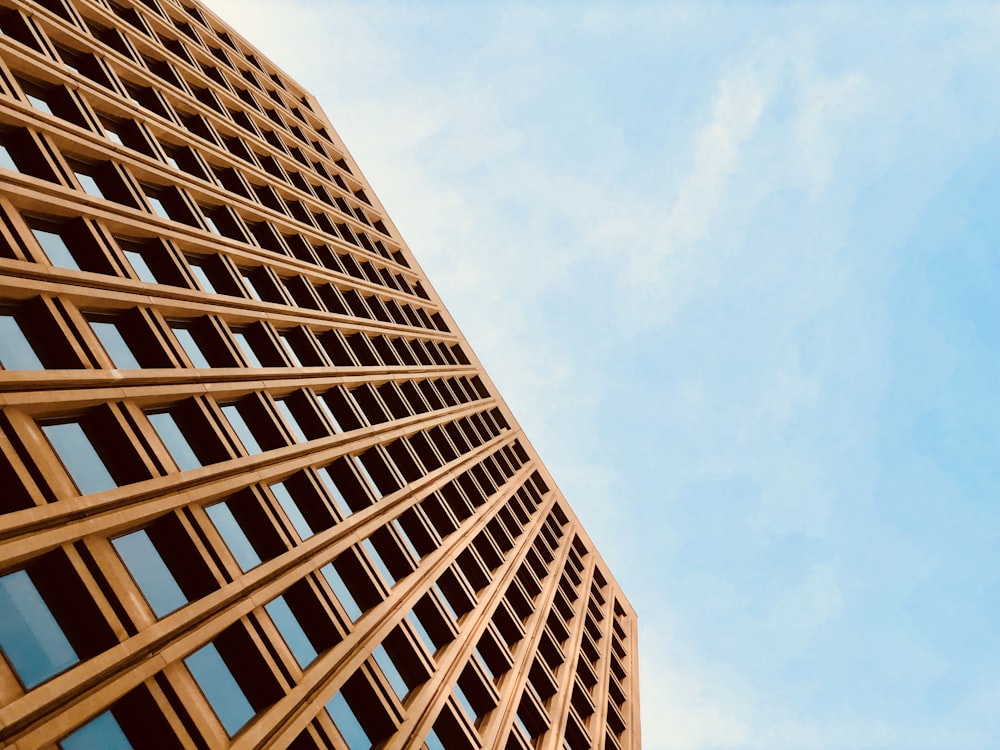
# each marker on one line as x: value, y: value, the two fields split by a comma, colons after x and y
x: 248, y: 283
x: 15, y: 351
x: 233, y: 535
x: 55, y: 248
x: 114, y: 344
x: 89, y: 184
x: 248, y: 352
x: 77, y: 453
x: 376, y: 558
x: 158, y: 207
x: 433, y: 742
x: 220, y: 688
x: 241, y: 427
x: 291, y: 351
x: 447, y: 603
x: 190, y: 346
x: 29, y: 634
x: 335, y: 493
x: 333, y: 419
x: 170, y: 433
x: 199, y: 271
x: 290, y: 420
x: 347, y: 723
x: 5, y: 159
x: 287, y: 624
x: 391, y: 672
x: 463, y: 701
x: 102, y: 733
x: 421, y: 631
x: 150, y: 572
x: 341, y: 591
x: 291, y: 508
x: 38, y: 103
x: 140, y: 266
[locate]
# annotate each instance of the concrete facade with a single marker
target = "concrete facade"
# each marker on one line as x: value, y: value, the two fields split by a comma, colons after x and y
x: 257, y: 491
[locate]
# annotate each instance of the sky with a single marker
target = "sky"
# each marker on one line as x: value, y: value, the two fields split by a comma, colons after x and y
x: 735, y: 267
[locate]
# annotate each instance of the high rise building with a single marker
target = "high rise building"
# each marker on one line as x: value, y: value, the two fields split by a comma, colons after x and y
x: 256, y: 489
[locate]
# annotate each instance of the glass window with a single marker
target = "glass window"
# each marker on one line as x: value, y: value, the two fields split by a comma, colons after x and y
x: 151, y: 574
x: 421, y: 631
x: 15, y: 350
x: 140, y: 266
x: 158, y: 208
x: 198, y: 268
x: 248, y: 352
x: 463, y: 701
x: 291, y: 351
x: 248, y: 282
x: 77, y: 453
x: 287, y: 624
x: 170, y: 433
x: 5, y: 159
x: 38, y: 103
x: 291, y: 509
x: 329, y: 413
x: 433, y: 742
x: 55, y: 248
x: 242, y: 428
x: 220, y: 688
x: 211, y: 224
x: 234, y: 536
x: 190, y: 346
x: 391, y: 672
x: 290, y: 420
x: 335, y: 493
x: 114, y: 344
x: 29, y: 634
x: 103, y: 732
x: 379, y: 562
x: 89, y: 184
x: 347, y: 723
x: 341, y: 591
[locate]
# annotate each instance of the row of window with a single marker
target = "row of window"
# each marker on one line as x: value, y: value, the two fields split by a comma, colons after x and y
x: 148, y: 50
x: 44, y: 637
x: 36, y: 336
x: 24, y: 151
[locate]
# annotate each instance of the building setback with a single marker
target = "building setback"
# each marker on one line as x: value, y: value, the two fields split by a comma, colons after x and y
x: 257, y: 491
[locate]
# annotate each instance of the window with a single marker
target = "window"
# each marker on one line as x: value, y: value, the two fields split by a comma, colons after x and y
x: 190, y: 346
x: 55, y: 248
x: 198, y: 268
x: 115, y: 345
x: 29, y: 634
x: 246, y: 348
x: 89, y: 184
x: 150, y: 572
x: 291, y: 630
x: 102, y: 732
x: 220, y: 688
x: 167, y: 427
x: 347, y: 723
x: 234, y: 536
x: 241, y: 427
x: 341, y: 591
x: 286, y: 412
x: 6, y: 161
x: 139, y: 265
x: 16, y: 352
x: 291, y: 509
x: 78, y: 455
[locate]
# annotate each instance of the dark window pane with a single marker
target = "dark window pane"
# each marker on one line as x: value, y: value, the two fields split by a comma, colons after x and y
x: 79, y: 457
x: 150, y: 573
x: 29, y: 634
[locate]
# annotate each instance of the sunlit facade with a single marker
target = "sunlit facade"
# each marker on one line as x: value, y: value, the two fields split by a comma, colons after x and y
x: 257, y: 491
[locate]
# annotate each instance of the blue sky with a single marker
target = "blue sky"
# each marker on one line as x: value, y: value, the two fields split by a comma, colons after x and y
x: 736, y: 270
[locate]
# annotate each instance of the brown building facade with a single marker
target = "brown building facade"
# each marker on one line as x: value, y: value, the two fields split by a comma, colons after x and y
x: 255, y: 488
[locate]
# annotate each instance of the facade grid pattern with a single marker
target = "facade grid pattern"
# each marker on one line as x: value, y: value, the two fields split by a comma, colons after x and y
x: 257, y: 489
